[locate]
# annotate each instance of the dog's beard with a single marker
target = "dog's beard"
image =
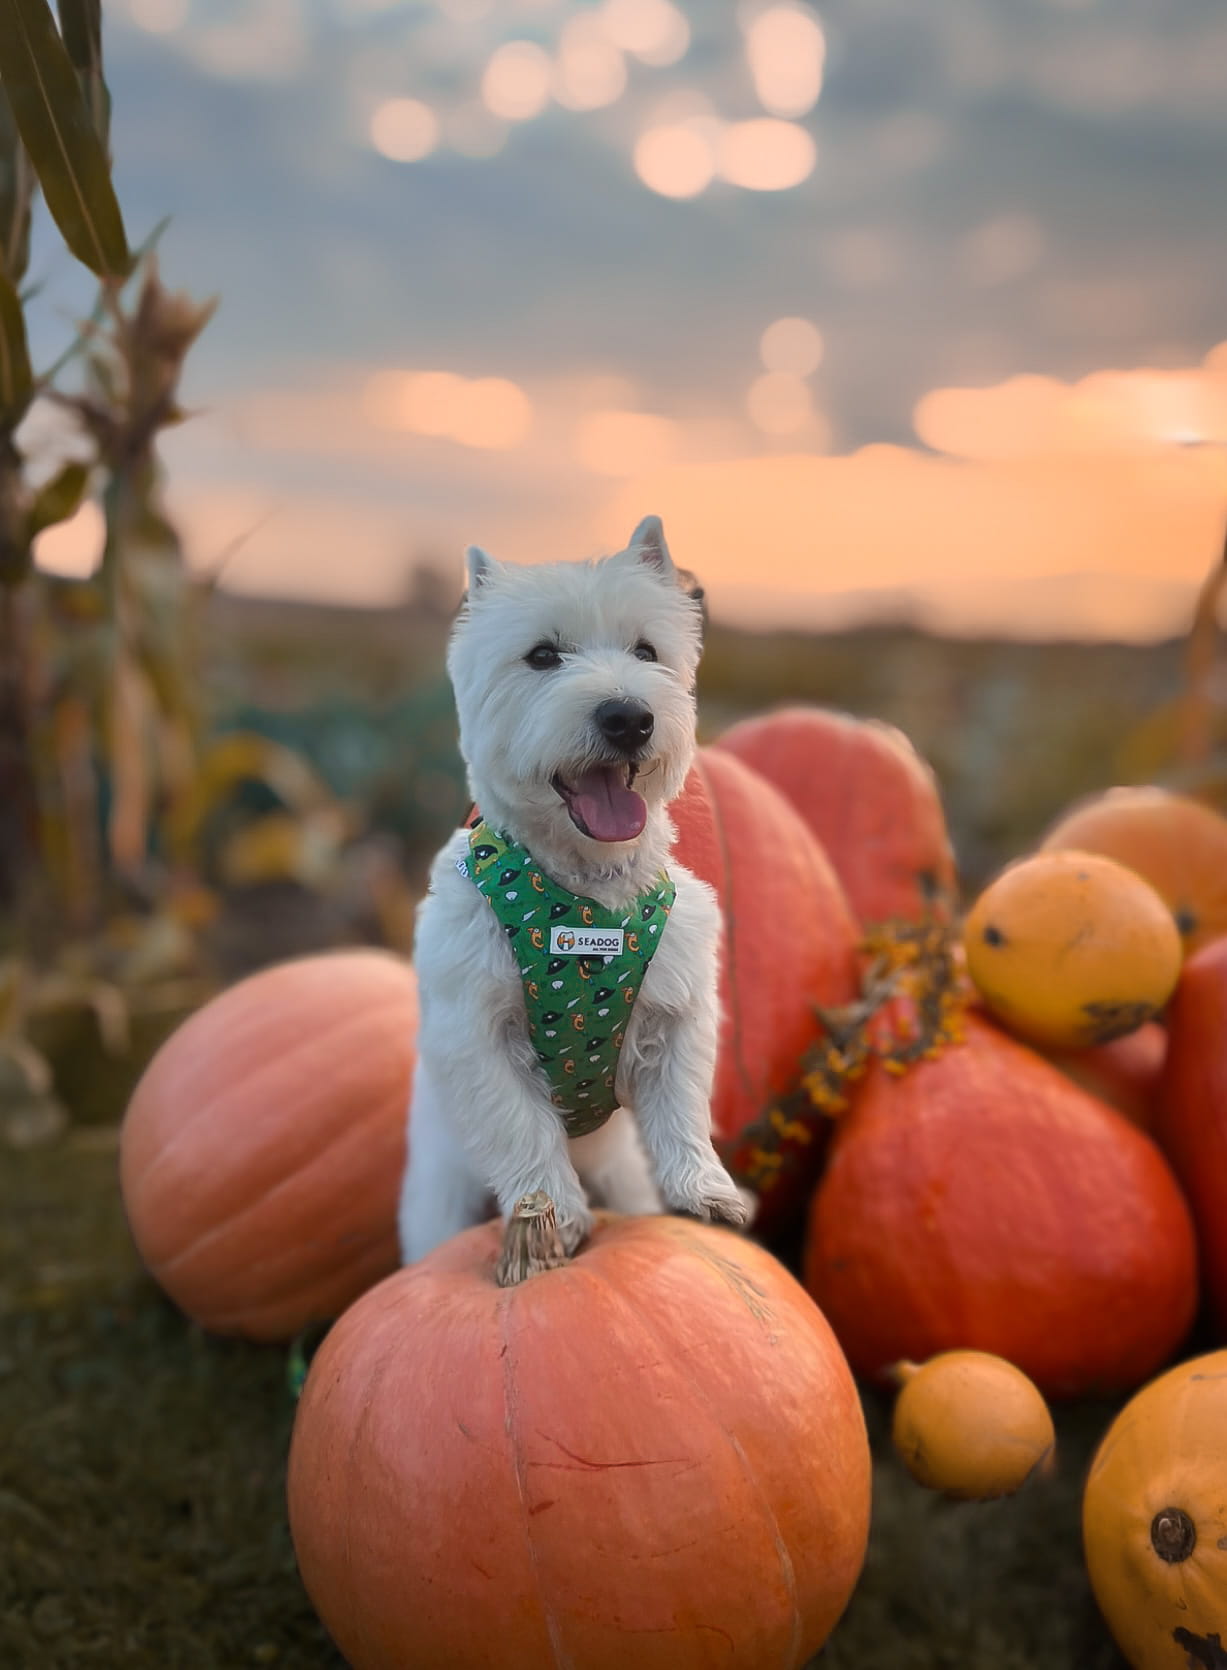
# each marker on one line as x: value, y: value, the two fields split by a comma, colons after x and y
x: 601, y: 801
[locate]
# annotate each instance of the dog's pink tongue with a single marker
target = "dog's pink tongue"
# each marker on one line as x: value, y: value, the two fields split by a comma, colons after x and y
x: 607, y: 809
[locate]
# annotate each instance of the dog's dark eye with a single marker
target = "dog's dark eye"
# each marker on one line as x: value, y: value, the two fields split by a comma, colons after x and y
x: 643, y: 651
x: 541, y: 657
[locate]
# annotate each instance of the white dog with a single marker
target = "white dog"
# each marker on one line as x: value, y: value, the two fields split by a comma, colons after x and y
x: 574, y: 685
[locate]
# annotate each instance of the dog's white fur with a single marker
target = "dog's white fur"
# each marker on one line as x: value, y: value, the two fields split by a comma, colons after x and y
x: 481, y: 1123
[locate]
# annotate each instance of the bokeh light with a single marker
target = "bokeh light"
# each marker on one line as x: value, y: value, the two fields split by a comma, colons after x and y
x: 793, y: 346
x: 73, y: 548
x: 495, y: 413
x: 779, y: 404
x: 786, y: 50
x: 654, y: 31
x: 516, y: 83
x: 675, y: 160
x: 625, y: 443
x: 491, y: 413
x: 404, y: 130
x: 589, y: 71
x: 766, y: 155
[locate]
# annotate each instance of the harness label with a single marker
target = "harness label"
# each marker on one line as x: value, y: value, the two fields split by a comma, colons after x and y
x: 586, y: 942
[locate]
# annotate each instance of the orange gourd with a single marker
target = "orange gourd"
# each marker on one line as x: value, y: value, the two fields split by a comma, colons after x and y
x: 982, y: 1201
x: 870, y: 799
x: 789, y: 943
x: 1191, y: 1125
x: 1154, y: 1520
x: 652, y: 1455
x: 970, y: 1425
x: 1178, y: 845
x: 262, y: 1151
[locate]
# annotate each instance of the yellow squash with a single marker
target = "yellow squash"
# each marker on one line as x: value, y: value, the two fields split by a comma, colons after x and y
x: 970, y: 1424
x: 1070, y: 949
x: 1154, y: 1520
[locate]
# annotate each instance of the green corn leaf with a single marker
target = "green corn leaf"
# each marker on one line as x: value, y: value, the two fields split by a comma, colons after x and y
x: 16, y: 377
x: 81, y: 27
x: 17, y: 187
x: 54, y: 122
x: 59, y: 498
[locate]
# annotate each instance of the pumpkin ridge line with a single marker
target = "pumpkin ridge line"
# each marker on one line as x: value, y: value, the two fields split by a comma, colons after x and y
x: 511, y: 1429
x: 226, y: 1225
x: 702, y: 1397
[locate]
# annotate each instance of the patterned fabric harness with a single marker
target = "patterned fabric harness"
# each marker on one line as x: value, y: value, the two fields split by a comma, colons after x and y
x: 581, y: 966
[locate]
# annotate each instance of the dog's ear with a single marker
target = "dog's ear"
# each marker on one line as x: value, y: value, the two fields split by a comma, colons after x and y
x: 647, y: 543
x: 479, y: 568
x: 692, y: 586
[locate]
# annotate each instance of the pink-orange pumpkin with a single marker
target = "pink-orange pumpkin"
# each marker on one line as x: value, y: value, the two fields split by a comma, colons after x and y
x: 789, y: 944
x: 870, y: 799
x: 262, y: 1151
x: 982, y: 1201
x: 1192, y: 1120
x: 1124, y: 1073
x: 653, y: 1456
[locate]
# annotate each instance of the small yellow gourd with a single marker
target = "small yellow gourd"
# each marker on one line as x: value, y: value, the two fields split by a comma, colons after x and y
x: 1070, y: 949
x: 1154, y: 1520
x: 970, y: 1424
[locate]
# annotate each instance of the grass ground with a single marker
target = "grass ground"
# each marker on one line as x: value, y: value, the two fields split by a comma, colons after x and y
x: 142, y: 1522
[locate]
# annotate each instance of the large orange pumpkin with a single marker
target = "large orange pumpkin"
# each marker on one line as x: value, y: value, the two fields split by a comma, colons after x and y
x: 868, y: 796
x: 1178, y: 845
x: 1192, y: 1119
x: 262, y: 1151
x: 789, y: 944
x: 983, y: 1201
x: 653, y: 1455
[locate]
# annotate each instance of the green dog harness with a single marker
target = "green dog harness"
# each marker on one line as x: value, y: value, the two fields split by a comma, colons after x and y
x: 581, y: 965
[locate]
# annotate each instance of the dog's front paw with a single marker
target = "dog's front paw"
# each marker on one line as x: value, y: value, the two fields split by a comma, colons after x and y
x: 711, y: 1195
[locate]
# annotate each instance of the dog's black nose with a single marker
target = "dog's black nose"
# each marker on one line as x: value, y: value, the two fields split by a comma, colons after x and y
x: 625, y: 723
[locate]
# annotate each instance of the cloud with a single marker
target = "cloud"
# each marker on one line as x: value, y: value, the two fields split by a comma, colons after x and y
x: 1108, y: 411
x: 1026, y: 524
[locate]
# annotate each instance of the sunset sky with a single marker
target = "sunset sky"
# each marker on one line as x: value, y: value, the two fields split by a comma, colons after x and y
x: 882, y: 306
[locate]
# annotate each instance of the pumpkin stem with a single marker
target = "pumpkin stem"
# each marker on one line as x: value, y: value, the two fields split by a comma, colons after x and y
x: 530, y: 1241
x: 900, y: 1373
x: 1173, y: 1535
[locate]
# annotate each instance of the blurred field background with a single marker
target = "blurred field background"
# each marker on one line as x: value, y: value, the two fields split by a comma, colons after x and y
x: 518, y: 274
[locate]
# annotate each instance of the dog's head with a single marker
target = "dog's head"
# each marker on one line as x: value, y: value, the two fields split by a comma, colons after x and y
x: 574, y: 685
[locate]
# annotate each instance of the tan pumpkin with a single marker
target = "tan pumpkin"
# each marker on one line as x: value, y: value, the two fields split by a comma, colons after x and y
x: 262, y: 1151
x: 1154, y: 1520
x: 1178, y: 845
x: 650, y: 1456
